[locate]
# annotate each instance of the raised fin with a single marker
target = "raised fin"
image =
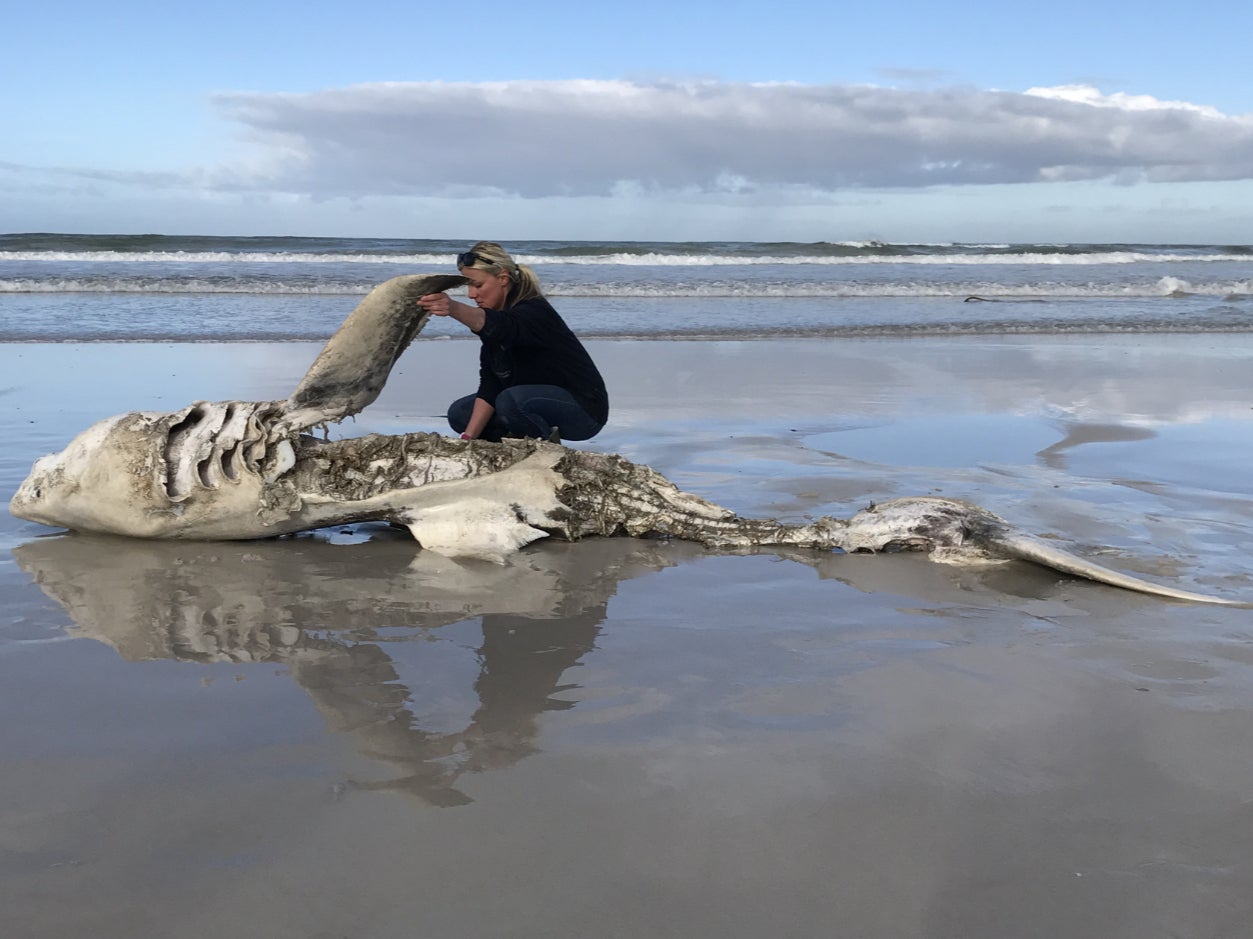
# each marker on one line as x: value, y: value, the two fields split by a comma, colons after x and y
x: 354, y: 364
x: 1039, y: 551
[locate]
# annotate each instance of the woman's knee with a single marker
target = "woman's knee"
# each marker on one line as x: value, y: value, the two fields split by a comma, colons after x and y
x: 536, y: 410
x: 513, y: 411
x: 459, y: 413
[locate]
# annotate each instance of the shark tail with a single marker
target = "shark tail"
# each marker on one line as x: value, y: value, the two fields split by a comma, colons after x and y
x: 1039, y: 551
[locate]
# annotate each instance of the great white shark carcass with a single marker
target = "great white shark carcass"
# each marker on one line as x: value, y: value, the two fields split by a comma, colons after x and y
x: 232, y: 470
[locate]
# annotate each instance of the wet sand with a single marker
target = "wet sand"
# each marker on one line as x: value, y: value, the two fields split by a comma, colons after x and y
x: 336, y: 735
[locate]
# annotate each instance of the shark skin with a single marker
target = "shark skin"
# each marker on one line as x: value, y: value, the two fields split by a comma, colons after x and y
x: 241, y: 470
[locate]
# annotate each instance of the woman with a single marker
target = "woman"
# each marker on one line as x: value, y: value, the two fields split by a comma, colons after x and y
x: 535, y: 377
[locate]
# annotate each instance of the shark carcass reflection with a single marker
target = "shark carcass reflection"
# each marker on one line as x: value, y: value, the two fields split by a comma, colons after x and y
x: 331, y: 626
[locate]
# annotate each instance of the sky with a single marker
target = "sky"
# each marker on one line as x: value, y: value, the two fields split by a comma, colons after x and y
x: 651, y: 121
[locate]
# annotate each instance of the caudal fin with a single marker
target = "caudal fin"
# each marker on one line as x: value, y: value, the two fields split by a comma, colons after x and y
x: 1037, y: 550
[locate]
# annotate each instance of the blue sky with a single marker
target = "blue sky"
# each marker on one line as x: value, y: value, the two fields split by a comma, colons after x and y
x: 650, y: 120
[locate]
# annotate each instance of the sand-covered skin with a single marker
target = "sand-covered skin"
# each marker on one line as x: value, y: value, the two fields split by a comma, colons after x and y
x: 337, y: 737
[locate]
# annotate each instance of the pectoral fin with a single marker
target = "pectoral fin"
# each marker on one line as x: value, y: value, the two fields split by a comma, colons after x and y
x: 471, y: 528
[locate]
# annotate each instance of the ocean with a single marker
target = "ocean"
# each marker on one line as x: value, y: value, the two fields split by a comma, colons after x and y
x: 159, y: 288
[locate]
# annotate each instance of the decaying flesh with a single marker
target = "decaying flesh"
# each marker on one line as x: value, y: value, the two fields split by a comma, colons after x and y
x: 244, y: 470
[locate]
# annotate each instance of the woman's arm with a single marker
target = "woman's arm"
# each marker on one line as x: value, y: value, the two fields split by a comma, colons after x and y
x: 479, y: 417
x: 440, y: 304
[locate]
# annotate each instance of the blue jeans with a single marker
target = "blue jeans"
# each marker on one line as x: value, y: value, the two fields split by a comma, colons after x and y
x: 529, y: 411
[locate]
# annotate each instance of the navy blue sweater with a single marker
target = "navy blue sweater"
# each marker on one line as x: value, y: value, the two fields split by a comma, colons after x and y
x: 530, y: 344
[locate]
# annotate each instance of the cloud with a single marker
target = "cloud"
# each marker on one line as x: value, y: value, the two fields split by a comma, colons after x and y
x: 581, y: 138
x: 153, y: 180
x: 1086, y: 94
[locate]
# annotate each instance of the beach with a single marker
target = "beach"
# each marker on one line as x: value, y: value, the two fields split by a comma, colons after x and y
x: 338, y: 735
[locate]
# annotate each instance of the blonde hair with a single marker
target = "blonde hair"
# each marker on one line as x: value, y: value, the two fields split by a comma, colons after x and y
x: 493, y: 259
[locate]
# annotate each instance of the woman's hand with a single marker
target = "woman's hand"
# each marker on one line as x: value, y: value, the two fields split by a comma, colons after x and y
x: 437, y: 304
x: 440, y: 304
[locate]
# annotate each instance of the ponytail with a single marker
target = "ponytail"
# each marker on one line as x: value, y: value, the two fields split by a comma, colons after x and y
x: 523, y: 285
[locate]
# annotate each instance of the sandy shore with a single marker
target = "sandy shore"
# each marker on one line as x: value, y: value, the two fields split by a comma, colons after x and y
x: 337, y: 736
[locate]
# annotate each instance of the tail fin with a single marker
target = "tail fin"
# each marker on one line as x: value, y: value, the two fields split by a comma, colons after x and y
x: 1029, y: 548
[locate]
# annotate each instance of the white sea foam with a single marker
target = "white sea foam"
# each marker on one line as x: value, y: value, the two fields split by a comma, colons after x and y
x: 621, y: 259
x: 1163, y: 287
x: 219, y: 257
x: 129, y: 285
x: 1035, y: 258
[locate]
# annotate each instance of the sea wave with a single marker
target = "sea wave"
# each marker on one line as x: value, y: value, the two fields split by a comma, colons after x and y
x: 1237, y: 323
x: 620, y: 258
x: 1166, y: 286
x: 220, y: 257
x: 170, y: 285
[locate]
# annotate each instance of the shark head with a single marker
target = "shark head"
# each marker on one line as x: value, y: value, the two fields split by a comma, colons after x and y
x: 158, y: 475
x: 100, y: 471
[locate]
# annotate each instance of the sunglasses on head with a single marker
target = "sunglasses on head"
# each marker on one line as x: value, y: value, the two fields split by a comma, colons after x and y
x: 467, y: 259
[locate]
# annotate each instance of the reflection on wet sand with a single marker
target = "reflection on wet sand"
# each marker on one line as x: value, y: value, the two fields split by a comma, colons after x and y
x: 1081, y: 434
x: 327, y: 617
x: 345, y: 621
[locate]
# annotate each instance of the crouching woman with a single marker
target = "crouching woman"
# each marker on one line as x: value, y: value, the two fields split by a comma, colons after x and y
x: 535, y: 378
